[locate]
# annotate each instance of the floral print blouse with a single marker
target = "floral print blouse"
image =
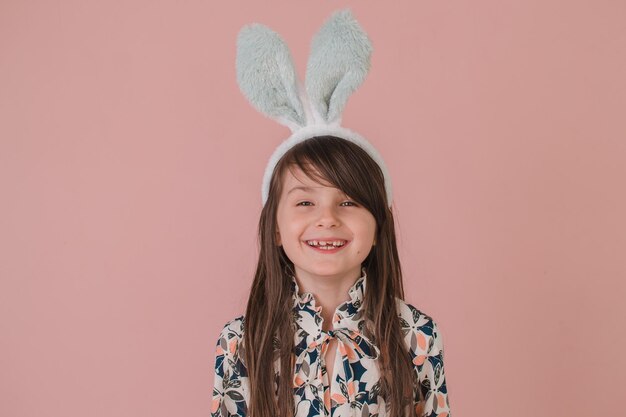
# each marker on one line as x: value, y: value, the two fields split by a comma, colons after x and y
x: 353, y: 389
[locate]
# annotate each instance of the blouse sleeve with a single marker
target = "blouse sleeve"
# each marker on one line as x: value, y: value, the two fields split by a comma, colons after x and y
x: 431, y: 375
x: 229, y: 399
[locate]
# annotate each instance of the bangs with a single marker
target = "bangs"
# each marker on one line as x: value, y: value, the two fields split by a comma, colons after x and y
x: 335, y: 162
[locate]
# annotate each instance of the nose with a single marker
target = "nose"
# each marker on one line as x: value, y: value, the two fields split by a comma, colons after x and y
x: 328, y: 217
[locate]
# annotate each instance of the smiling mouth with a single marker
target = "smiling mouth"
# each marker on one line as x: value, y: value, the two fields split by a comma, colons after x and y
x: 327, y: 247
x: 326, y: 244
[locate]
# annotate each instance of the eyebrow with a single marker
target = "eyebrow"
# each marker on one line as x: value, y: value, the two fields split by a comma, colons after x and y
x: 300, y: 187
x: 305, y: 189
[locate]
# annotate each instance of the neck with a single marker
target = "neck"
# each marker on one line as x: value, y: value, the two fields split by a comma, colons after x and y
x: 329, y: 291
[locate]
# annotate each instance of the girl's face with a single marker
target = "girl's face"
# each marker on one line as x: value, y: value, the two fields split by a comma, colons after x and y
x: 308, y: 211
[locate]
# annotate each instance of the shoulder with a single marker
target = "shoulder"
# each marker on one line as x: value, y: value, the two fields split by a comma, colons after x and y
x: 412, y: 315
x: 419, y: 328
x: 234, y: 325
x: 231, y: 335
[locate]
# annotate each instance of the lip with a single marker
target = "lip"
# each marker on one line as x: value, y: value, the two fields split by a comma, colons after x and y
x: 327, y: 251
x: 326, y: 239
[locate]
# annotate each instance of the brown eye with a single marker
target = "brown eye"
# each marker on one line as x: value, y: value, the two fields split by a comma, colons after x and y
x: 303, y: 202
x: 349, y: 202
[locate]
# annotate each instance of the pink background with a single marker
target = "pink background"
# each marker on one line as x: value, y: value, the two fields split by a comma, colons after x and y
x: 130, y: 174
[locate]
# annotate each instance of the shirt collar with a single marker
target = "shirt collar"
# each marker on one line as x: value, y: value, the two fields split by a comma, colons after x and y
x: 356, y: 294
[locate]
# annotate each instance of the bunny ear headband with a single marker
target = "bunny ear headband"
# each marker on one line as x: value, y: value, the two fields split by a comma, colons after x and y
x: 338, y: 63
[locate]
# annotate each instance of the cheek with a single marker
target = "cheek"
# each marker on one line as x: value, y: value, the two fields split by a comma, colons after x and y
x: 367, y: 232
x: 368, y: 226
x: 290, y: 227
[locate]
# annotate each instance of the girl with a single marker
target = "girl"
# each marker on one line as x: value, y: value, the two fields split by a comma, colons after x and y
x: 326, y: 331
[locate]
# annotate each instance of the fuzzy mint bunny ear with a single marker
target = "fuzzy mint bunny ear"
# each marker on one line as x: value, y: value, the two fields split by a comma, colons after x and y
x: 267, y: 77
x: 338, y: 63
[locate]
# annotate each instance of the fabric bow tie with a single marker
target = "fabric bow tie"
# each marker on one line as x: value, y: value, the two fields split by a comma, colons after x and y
x: 352, y: 346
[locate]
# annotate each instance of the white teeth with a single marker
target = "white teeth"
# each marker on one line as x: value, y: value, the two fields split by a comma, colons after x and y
x: 325, y: 245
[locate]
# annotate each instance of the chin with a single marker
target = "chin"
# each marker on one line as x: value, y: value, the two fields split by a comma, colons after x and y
x: 328, y: 271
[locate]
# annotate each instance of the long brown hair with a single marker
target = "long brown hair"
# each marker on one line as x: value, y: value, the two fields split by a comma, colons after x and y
x: 268, y: 337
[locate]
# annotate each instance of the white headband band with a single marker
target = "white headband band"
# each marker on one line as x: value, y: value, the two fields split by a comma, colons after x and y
x: 338, y: 63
